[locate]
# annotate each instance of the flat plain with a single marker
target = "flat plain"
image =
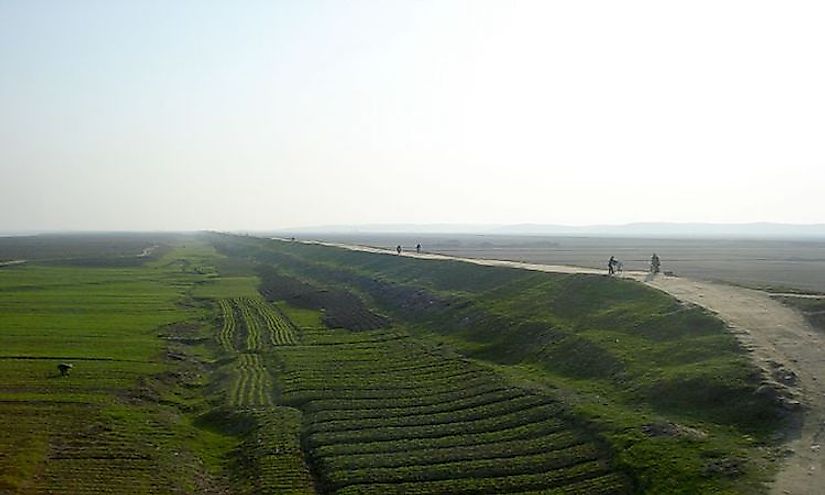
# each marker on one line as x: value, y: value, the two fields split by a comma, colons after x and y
x: 779, y: 263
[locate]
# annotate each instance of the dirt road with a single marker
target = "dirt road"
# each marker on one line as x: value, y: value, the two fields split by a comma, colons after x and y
x: 12, y: 262
x: 775, y: 333
x: 778, y: 337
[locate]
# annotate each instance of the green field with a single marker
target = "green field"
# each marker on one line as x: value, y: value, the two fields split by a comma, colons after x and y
x: 224, y: 364
x: 103, y: 427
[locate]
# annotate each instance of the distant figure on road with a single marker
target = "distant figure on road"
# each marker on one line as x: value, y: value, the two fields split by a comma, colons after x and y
x: 418, y: 248
x: 655, y: 264
x: 611, y: 266
x: 64, y: 369
x: 398, y: 249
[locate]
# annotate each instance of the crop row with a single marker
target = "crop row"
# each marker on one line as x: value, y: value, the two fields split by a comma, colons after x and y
x: 376, y: 434
x: 435, y: 400
x: 502, y: 450
x: 352, y: 374
x: 309, y: 379
x: 247, y: 320
x: 545, y: 427
x: 226, y: 334
x: 315, y: 399
x: 273, y: 454
x: 394, y: 354
x: 436, y: 393
x: 384, y: 413
x: 400, y: 368
x: 591, y: 478
x: 336, y: 410
x: 555, y: 460
x: 494, y: 410
x: 281, y: 330
x: 254, y: 341
x: 273, y: 461
x: 253, y: 385
x: 370, y: 366
x: 366, y: 366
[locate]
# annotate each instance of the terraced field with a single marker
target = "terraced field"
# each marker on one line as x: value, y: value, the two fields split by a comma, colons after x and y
x: 271, y: 457
x: 249, y: 327
x: 253, y: 386
x: 380, y: 412
x: 664, y: 384
x: 252, y: 325
x: 294, y: 370
x: 387, y: 414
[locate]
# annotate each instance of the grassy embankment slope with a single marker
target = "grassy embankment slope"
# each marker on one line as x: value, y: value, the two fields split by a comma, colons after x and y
x: 380, y: 411
x: 186, y: 380
x: 120, y: 422
x: 813, y: 308
x: 665, y: 385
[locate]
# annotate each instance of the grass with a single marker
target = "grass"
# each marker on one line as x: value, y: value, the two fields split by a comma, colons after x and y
x: 812, y: 308
x: 104, y: 428
x: 416, y: 396
x: 268, y: 367
x: 383, y: 407
x: 227, y: 287
x: 664, y: 384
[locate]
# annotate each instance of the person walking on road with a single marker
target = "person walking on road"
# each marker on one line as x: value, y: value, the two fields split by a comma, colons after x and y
x: 418, y: 248
x: 611, y: 266
x: 398, y: 249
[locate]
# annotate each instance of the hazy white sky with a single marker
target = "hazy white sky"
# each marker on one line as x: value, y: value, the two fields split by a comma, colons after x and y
x: 253, y: 115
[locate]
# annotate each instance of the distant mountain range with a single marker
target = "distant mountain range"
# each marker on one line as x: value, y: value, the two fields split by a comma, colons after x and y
x: 738, y: 230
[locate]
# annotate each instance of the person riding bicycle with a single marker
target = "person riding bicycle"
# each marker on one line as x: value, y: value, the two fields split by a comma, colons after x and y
x: 655, y: 264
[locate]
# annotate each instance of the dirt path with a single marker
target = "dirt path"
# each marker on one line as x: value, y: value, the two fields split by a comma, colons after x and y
x: 12, y: 262
x: 148, y: 251
x: 774, y: 333
x: 777, y: 336
x: 799, y: 296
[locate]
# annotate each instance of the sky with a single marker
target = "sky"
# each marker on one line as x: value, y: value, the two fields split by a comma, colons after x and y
x: 159, y: 115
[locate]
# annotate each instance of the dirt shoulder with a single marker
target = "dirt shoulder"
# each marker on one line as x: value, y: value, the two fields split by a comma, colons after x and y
x: 777, y: 336
x: 774, y: 333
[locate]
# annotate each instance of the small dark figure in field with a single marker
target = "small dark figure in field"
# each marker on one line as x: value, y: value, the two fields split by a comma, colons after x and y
x: 418, y: 248
x: 655, y: 264
x: 611, y: 266
x: 398, y: 249
x: 64, y: 369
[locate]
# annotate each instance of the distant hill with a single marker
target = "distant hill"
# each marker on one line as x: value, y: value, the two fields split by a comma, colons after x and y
x: 761, y: 229
x: 382, y: 228
x: 748, y: 230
